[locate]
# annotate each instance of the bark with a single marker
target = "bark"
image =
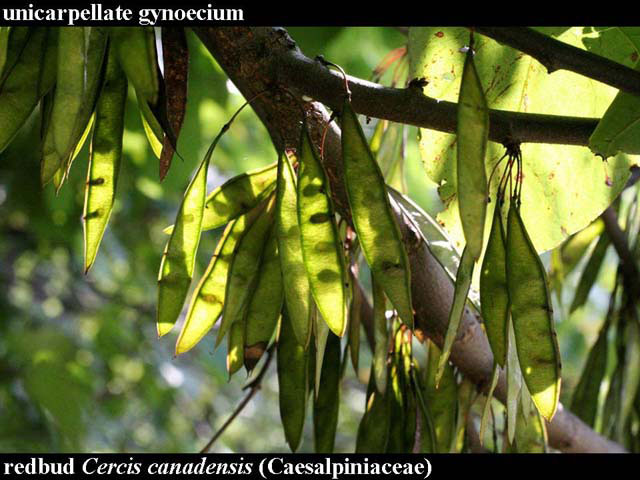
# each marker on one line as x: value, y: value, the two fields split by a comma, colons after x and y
x: 259, y: 59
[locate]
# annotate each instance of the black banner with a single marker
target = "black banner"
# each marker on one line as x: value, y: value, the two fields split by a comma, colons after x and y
x: 274, y: 466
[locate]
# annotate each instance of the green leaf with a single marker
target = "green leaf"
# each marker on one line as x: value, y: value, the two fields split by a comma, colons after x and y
x: 104, y: 159
x: 567, y: 180
x: 471, y: 139
x: 590, y: 272
x: 584, y: 402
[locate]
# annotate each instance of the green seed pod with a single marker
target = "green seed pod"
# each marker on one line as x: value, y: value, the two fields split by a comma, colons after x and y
x: 321, y: 246
x: 104, y: 159
x: 533, y: 326
x: 373, y: 217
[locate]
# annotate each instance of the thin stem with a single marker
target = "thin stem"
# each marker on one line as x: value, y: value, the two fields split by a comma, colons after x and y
x: 254, y: 387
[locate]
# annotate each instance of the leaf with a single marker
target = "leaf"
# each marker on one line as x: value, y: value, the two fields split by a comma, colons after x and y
x: 175, y: 55
x: 584, y: 402
x: 292, y: 382
x: 566, y: 180
x: 463, y: 282
x: 321, y: 246
x: 297, y: 292
x: 471, y: 139
x: 373, y: 217
x: 104, y: 159
x: 327, y: 399
x: 31, y: 78
x: 590, y: 272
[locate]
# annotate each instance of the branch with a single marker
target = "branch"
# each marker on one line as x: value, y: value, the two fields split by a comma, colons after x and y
x: 619, y: 240
x: 557, y: 55
x: 253, y: 387
x: 253, y: 59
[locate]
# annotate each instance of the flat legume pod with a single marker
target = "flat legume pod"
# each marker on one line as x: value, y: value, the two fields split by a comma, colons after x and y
x: 532, y: 316
x: 12, y: 42
x: 373, y: 217
x: 297, y: 292
x: 135, y: 48
x: 237, y: 196
x: 463, y: 282
x: 326, y: 404
x: 373, y: 430
x: 514, y: 383
x: 494, y: 296
x: 355, y: 311
x: 380, y: 336
x: 441, y: 401
x: 320, y: 335
x: 531, y: 433
x: 321, y: 246
x: 471, y: 139
x: 207, y: 300
x: 293, y: 370
x: 265, y: 304
x: 235, y: 345
x: 80, y: 67
x: 244, y: 269
x: 27, y: 81
x: 104, y: 159
x: 178, y: 259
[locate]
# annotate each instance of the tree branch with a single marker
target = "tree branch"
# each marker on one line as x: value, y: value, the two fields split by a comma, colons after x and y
x: 557, y: 55
x: 257, y: 58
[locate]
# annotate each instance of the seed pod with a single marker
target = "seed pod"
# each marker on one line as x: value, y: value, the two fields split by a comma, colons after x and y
x: 471, y: 139
x: 80, y: 74
x: 373, y: 217
x: 265, y: 304
x: 293, y: 382
x: 373, y: 430
x: 494, y: 296
x: 297, y: 292
x: 355, y: 311
x: 463, y: 282
x: 235, y: 345
x: 326, y: 404
x: 236, y: 197
x: 514, y: 383
x: 32, y: 75
x: 321, y: 246
x: 244, y: 267
x: 381, y: 337
x: 440, y: 400
x: 104, y: 159
x: 532, y: 316
x: 207, y: 300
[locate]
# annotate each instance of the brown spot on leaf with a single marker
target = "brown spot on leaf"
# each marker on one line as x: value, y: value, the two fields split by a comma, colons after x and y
x: 439, y: 34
